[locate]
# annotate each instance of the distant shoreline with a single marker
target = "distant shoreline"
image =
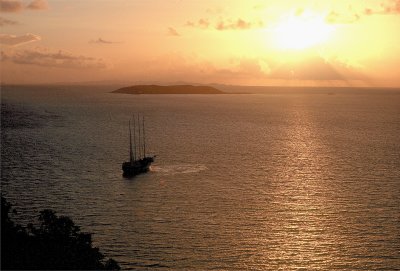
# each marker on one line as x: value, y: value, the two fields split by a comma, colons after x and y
x: 197, y: 89
x: 174, y: 89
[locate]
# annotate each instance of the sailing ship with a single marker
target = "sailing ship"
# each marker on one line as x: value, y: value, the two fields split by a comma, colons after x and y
x: 138, y: 161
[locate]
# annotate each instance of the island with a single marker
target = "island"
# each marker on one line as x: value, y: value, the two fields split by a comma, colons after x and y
x: 173, y: 89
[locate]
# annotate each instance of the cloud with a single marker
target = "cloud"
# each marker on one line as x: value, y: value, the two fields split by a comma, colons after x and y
x: 60, y: 59
x: 12, y: 40
x: 201, y: 23
x: 102, y: 41
x: 238, y: 24
x: 4, y: 22
x: 173, y: 67
x: 315, y: 67
x: 14, y: 6
x: 229, y: 24
x: 11, y: 6
x: 311, y: 68
x: 238, y: 70
x: 244, y: 70
x: 38, y: 5
x: 334, y: 17
x: 397, y: 5
x: 391, y: 7
x: 172, y: 32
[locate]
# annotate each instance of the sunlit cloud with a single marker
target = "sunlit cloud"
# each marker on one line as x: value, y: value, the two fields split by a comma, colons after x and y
x: 201, y: 23
x: 351, y: 16
x: 172, y: 32
x: 38, y: 5
x: 345, y: 16
x: 5, y: 22
x: 176, y: 67
x: 239, y: 24
x: 14, y: 6
x: 247, y: 68
x: 392, y: 7
x: 11, y: 6
x: 334, y: 17
x: 12, y: 40
x: 46, y: 58
x: 316, y: 68
x: 102, y: 41
x: 228, y: 24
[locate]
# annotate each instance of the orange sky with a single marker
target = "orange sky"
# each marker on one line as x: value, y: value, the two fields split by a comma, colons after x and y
x: 332, y: 43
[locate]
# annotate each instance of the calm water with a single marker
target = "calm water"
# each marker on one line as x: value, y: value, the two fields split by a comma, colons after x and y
x: 306, y: 180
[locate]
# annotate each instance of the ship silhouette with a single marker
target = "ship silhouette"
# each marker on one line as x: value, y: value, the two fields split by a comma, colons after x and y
x: 138, y: 161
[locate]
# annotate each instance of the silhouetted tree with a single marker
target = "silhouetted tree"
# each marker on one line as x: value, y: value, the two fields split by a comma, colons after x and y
x: 56, y: 244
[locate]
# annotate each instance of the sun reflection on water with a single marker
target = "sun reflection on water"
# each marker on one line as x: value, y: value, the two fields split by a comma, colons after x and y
x: 303, y: 200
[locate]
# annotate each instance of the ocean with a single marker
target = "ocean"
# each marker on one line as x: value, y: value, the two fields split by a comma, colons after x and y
x: 298, y: 179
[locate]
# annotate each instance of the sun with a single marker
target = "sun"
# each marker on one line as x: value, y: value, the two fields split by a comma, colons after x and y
x: 301, y: 31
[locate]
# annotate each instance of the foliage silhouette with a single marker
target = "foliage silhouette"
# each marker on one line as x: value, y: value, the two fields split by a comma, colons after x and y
x: 56, y: 244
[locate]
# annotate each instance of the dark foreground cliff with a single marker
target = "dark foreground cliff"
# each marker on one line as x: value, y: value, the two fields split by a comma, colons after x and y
x: 57, y: 244
x: 176, y: 89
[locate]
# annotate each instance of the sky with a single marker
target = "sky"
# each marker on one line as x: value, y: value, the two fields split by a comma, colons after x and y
x: 289, y: 43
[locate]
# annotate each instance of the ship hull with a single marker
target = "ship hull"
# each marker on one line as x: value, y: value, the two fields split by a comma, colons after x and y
x: 131, y: 169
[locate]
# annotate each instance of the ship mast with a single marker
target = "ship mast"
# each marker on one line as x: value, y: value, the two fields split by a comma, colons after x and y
x: 130, y: 144
x: 134, y: 137
x: 144, y: 140
x: 139, y: 144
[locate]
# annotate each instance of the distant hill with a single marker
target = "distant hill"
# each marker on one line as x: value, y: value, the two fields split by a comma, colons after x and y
x: 176, y: 89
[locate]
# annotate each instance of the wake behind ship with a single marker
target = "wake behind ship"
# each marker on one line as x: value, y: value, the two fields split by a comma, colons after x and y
x: 138, y: 161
